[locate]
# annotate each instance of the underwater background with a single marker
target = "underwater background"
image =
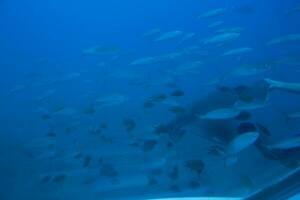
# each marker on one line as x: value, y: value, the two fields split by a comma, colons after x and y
x: 147, y: 99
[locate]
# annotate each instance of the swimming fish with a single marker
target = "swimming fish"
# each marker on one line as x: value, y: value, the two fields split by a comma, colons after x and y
x: 169, y: 35
x: 213, y: 13
x: 152, y: 32
x: 238, y: 51
x: 143, y: 61
x: 102, y: 50
x: 284, y: 86
x: 241, y: 142
x: 285, y: 39
x: 195, y: 165
x: 215, y: 24
x: 220, y: 38
x: 290, y: 143
x: 221, y: 114
x: 177, y: 93
x: 241, y: 105
x: 250, y: 70
x: 129, y: 124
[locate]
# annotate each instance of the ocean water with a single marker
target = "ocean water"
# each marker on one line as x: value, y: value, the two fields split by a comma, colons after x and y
x: 147, y: 99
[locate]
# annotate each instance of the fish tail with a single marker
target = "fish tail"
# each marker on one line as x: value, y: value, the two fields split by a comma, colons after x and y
x: 272, y: 84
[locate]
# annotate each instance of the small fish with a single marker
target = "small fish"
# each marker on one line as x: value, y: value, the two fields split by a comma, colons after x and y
x: 220, y: 38
x: 177, y: 109
x: 90, y: 110
x: 59, y: 178
x: 152, y: 32
x: 215, y: 24
x: 108, y: 170
x: 238, y: 51
x: 177, y: 93
x: 245, y: 9
x: 241, y: 105
x: 169, y: 35
x: 290, y: 143
x: 187, y: 37
x: 195, y: 165
x: 249, y: 70
x: 213, y: 13
x: 220, y: 114
x: 51, y: 134
x: 129, y: 124
x: 46, y: 179
x: 158, y: 98
x: 234, y: 147
x: 101, y: 50
x: 241, y: 142
x: 230, y: 30
x: 291, y: 115
x: 143, y: 61
x: 149, y: 104
x: 46, y: 116
x: 86, y: 161
x: 174, y: 174
x: 285, y: 39
x: 283, y: 86
x: 149, y: 145
x: 111, y: 100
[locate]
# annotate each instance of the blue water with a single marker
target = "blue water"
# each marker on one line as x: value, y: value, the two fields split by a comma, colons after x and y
x: 74, y: 120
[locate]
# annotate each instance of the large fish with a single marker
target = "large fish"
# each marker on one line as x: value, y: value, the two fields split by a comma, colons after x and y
x: 284, y: 86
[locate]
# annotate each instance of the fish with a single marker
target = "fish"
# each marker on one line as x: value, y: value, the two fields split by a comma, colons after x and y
x: 187, y: 37
x: 284, y: 86
x: 111, y: 100
x: 174, y: 174
x: 285, y: 39
x: 250, y: 70
x: 244, y: 9
x: 177, y: 93
x: 215, y: 24
x: 296, y: 9
x: 87, y: 161
x: 152, y: 32
x: 196, y: 166
x: 90, y: 110
x: 238, y: 51
x: 96, y: 50
x: 187, y: 68
x: 241, y: 142
x: 241, y: 105
x: 213, y: 13
x: 220, y: 114
x: 108, y: 170
x: 169, y: 35
x: 286, y: 144
x: 143, y: 61
x: 230, y: 30
x: 129, y: 124
x: 176, y: 109
x: 149, y: 145
x: 291, y: 115
x: 220, y: 38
